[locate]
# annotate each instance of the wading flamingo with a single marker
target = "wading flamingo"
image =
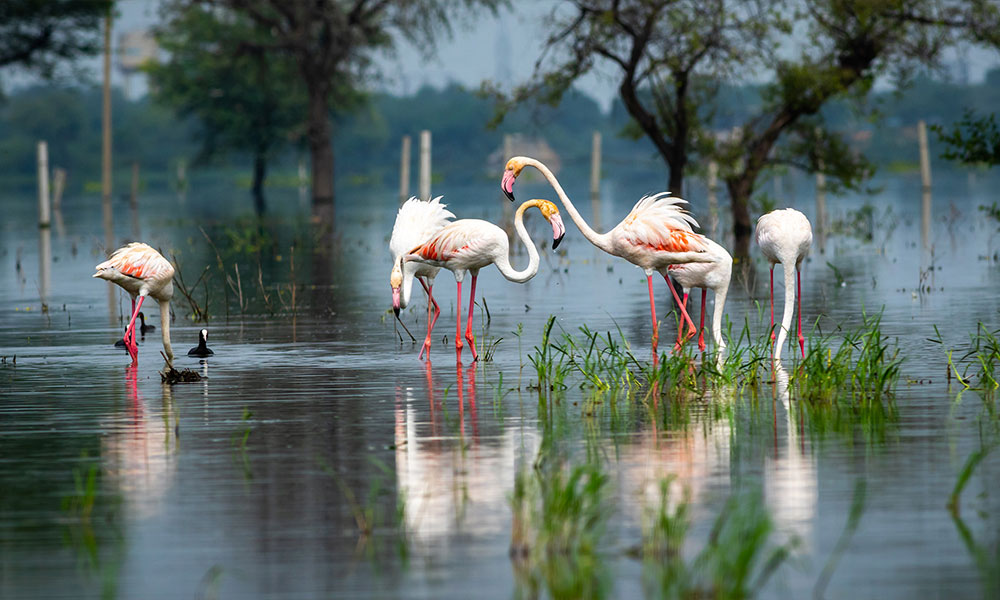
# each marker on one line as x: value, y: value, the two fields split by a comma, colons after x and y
x: 471, y: 244
x: 141, y: 271
x: 415, y: 223
x: 784, y: 236
x: 201, y: 350
x: 655, y: 234
x: 713, y: 276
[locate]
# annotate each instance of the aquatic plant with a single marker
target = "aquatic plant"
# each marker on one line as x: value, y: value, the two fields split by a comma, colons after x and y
x: 864, y: 368
x: 100, y: 549
x: 737, y: 560
x: 985, y: 555
x: 980, y: 359
x: 558, y: 515
x: 550, y: 364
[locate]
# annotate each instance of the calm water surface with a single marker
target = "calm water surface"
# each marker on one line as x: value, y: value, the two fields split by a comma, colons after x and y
x: 316, y: 424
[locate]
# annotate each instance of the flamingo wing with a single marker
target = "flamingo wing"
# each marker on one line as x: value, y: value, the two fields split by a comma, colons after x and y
x: 417, y: 221
x: 465, y: 238
x: 139, y: 261
x: 657, y: 222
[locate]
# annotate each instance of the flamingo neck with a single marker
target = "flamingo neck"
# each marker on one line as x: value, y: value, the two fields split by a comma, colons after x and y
x: 165, y: 330
x: 408, y: 277
x: 503, y: 261
x: 601, y: 240
x: 720, y: 304
x: 786, y: 316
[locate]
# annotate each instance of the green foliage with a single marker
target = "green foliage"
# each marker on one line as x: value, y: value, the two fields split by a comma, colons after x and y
x: 972, y: 139
x: 39, y: 34
x: 979, y: 361
x: 864, y: 369
x: 246, y: 99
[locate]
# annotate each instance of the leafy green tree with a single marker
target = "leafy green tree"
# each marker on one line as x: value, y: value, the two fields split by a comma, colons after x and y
x: 246, y: 99
x: 972, y: 139
x: 671, y: 57
x: 332, y: 43
x: 37, y: 35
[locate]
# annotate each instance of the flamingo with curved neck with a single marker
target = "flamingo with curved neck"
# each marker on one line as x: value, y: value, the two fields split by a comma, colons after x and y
x: 468, y: 245
x: 657, y: 232
x: 785, y: 236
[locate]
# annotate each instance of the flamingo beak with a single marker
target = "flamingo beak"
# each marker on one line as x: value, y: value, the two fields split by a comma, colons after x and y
x: 558, y: 229
x: 395, y: 301
x: 507, y: 184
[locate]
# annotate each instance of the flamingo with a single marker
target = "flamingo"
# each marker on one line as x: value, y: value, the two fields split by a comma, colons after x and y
x: 713, y: 276
x: 141, y: 271
x: 201, y: 350
x: 784, y: 236
x: 655, y: 234
x: 471, y: 244
x: 416, y: 221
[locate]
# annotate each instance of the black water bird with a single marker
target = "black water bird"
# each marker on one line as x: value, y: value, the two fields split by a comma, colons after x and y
x: 202, y: 348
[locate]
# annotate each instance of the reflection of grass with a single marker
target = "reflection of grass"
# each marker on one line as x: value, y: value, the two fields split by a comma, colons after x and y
x: 557, y: 529
x: 370, y: 517
x: 239, y: 441
x: 986, y: 556
x: 81, y: 509
x: 737, y: 560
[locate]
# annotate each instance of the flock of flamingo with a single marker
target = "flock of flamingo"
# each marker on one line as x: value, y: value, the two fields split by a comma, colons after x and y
x: 657, y: 235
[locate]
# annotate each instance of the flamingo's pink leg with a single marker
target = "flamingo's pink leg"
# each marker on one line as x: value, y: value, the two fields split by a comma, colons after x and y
x: 430, y: 321
x: 772, y: 303
x: 798, y: 296
x: 468, y: 326
x: 652, y: 312
x: 680, y: 325
x: 684, y: 313
x: 133, y: 350
x: 701, y: 325
x: 458, y: 321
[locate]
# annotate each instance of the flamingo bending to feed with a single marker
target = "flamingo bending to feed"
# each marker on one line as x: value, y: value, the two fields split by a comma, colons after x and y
x: 415, y: 223
x: 713, y: 276
x: 471, y: 244
x: 654, y: 235
x: 784, y: 236
x: 141, y: 271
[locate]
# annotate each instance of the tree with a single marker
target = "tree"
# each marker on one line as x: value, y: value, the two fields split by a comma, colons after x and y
x: 972, y: 139
x: 37, y: 34
x: 670, y: 56
x: 332, y: 42
x: 246, y: 99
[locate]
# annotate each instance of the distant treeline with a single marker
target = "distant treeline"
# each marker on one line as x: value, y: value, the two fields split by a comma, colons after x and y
x: 367, y: 141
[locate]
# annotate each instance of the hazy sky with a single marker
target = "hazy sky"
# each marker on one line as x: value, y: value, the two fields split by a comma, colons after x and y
x: 502, y: 47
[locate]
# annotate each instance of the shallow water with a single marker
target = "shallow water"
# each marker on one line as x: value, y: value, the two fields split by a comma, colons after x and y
x: 315, y: 422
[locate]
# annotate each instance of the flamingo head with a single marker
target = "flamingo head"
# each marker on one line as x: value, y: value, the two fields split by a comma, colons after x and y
x: 511, y: 171
x: 551, y: 214
x: 396, y: 281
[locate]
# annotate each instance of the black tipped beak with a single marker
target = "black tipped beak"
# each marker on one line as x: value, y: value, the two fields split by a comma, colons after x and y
x: 395, y: 309
x: 510, y: 195
x: 556, y: 241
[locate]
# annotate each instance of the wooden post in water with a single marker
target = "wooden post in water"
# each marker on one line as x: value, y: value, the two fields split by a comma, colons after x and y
x: 44, y: 216
x: 595, y: 165
x: 58, y: 186
x: 820, y: 224
x: 44, y: 229
x: 425, y: 165
x: 134, y: 200
x: 713, y: 202
x: 108, y: 217
x: 925, y: 179
x: 404, y: 170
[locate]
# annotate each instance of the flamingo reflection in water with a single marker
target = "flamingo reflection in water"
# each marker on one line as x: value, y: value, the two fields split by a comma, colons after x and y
x: 455, y: 480
x: 139, y: 453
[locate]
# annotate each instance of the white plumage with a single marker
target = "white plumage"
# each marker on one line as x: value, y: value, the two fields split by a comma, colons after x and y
x: 141, y: 271
x: 785, y: 236
x: 416, y: 222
